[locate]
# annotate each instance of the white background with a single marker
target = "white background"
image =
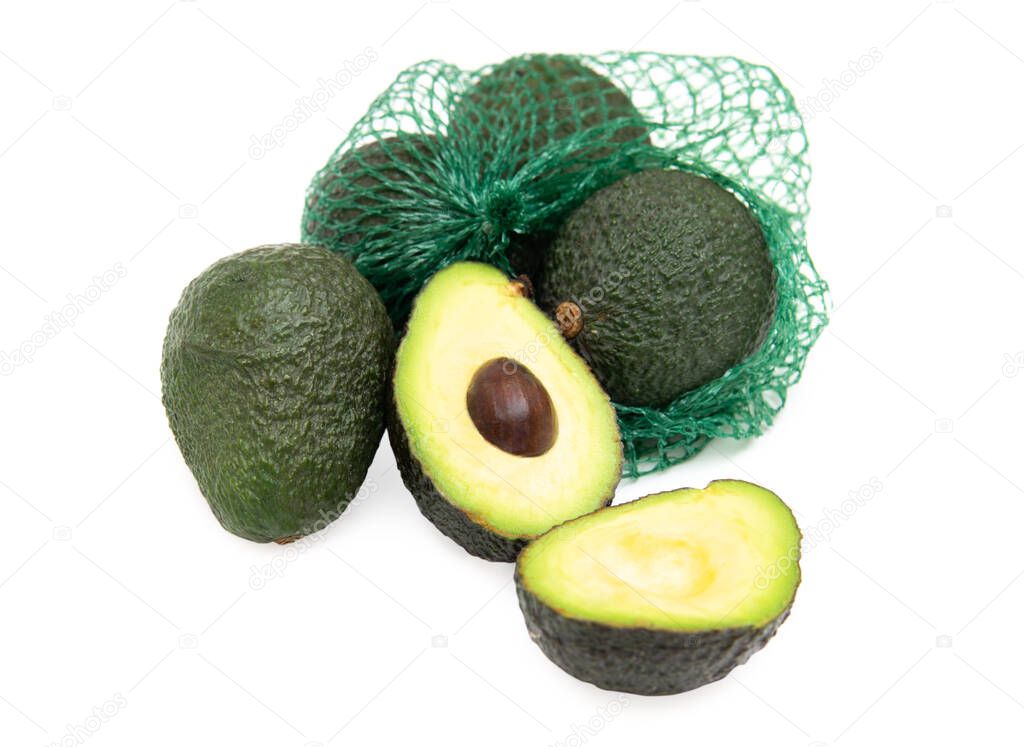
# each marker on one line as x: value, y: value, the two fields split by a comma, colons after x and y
x: 124, y: 145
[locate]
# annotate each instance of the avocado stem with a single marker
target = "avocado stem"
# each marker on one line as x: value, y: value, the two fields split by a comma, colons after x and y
x: 523, y: 286
x: 570, y: 319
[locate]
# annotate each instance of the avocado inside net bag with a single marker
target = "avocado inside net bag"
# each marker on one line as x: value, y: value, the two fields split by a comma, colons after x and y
x: 450, y: 165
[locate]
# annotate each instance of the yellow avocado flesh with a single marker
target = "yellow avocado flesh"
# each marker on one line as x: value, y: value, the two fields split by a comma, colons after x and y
x: 469, y: 314
x: 690, y: 560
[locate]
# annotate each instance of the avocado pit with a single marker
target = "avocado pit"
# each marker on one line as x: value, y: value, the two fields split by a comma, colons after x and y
x: 511, y: 408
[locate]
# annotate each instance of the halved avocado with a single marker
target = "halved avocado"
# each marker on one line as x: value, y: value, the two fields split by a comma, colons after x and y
x: 499, y: 429
x: 664, y: 594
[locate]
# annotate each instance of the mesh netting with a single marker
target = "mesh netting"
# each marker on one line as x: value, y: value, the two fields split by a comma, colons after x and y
x: 450, y: 164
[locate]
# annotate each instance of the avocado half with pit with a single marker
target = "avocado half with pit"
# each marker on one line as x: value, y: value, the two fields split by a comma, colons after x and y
x: 664, y: 594
x: 499, y: 429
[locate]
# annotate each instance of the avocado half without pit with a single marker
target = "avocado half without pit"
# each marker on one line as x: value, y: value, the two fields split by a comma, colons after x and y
x: 499, y: 429
x: 664, y: 594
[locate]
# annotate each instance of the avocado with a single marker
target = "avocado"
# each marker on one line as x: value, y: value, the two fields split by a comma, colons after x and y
x: 521, y: 106
x: 669, y: 280
x: 499, y: 429
x: 664, y: 594
x: 376, y: 196
x: 274, y: 378
x: 355, y: 193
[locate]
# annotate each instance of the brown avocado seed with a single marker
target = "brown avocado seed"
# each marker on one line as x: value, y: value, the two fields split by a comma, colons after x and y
x: 511, y: 408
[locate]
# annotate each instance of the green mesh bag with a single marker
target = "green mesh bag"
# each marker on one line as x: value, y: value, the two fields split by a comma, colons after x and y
x: 449, y: 165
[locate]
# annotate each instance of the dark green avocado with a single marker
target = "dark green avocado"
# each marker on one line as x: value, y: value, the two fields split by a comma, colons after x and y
x: 529, y: 102
x: 671, y: 280
x: 355, y: 195
x: 664, y: 594
x: 274, y: 375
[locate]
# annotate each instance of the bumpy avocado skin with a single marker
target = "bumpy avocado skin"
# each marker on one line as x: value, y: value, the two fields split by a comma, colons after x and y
x: 274, y: 375
x: 455, y: 524
x: 674, y: 280
x: 352, y: 197
x: 539, y: 99
x: 639, y: 660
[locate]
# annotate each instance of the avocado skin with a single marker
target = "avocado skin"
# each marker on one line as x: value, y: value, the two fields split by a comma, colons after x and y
x: 475, y: 538
x: 643, y: 661
x: 674, y: 279
x: 274, y: 376
x: 536, y: 99
x: 362, y: 189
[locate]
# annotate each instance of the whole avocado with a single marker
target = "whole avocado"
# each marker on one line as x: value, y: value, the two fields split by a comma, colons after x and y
x: 356, y: 194
x: 534, y: 100
x: 664, y: 281
x: 274, y: 375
